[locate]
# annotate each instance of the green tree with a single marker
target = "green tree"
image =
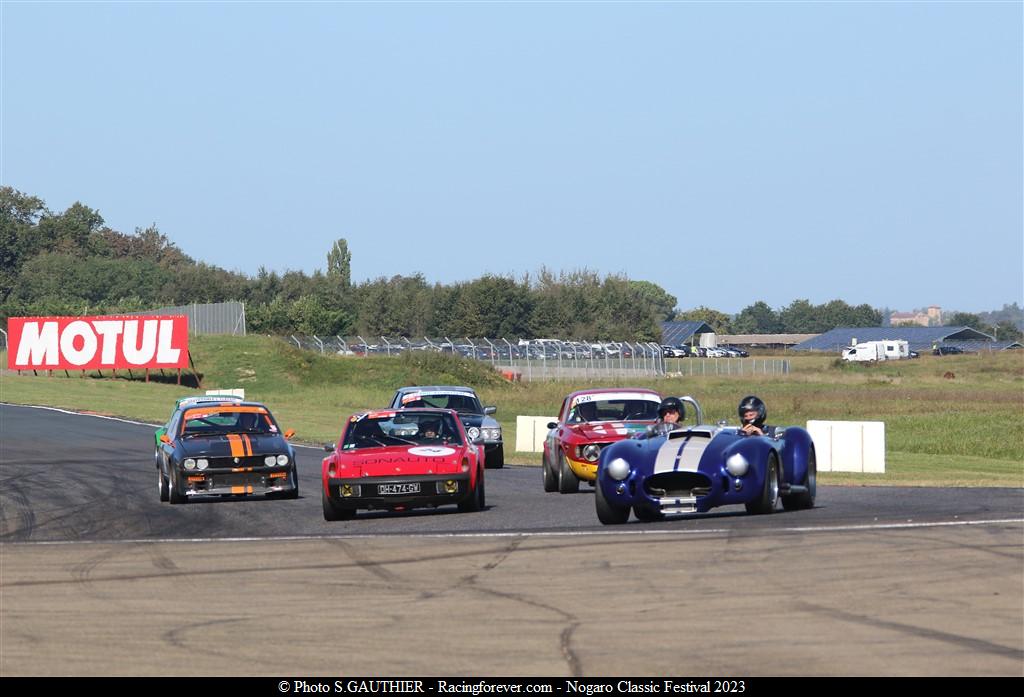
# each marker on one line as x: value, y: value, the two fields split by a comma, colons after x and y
x: 800, y: 317
x: 339, y: 264
x: 661, y: 303
x: 1008, y: 331
x: 19, y: 214
x: 719, y: 321
x: 757, y: 319
x: 965, y: 319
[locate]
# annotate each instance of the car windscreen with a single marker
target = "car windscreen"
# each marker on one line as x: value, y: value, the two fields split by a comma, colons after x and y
x: 459, y: 401
x: 614, y: 410
x: 427, y: 428
x: 209, y: 421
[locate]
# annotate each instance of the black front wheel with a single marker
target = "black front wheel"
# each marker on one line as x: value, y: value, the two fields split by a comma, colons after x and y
x: 476, y: 501
x: 161, y: 483
x: 766, y: 502
x: 567, y: 481
x: 607, y: 512
x: 796, y: 502
x: 550, y: 480
x: 496, y: 459
x: 332, y: 511
x: 174, y: 493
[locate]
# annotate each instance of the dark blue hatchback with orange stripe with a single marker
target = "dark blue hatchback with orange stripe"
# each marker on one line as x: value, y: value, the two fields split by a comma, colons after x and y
x: 224, y: 447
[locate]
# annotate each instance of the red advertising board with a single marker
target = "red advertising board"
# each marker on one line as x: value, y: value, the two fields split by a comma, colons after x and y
x: 93, y: 343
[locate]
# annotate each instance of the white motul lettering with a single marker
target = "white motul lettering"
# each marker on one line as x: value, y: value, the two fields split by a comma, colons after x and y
x: 108, y: 329
x: 38, y: 346
x: 133, y: 353
x: 74, y: 356
x: 165, y: 353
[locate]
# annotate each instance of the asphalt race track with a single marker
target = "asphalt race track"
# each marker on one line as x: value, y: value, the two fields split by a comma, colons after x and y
x: 97, y: 577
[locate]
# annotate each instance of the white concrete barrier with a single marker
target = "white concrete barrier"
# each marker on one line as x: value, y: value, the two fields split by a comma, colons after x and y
x: 531, y: 432
x: 238, y: 392
x: 849, y: 446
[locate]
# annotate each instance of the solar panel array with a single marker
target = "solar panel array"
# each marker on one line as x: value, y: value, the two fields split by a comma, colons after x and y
x: 918, y: 338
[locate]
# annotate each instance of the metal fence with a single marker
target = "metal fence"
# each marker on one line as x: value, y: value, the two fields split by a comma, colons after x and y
x: 548, y: 359
x: 207, y: 318
x: 726, y: 366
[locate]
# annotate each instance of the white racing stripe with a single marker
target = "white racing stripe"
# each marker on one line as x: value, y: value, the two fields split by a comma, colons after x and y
x: 680, y: 454
x: 484, y: 535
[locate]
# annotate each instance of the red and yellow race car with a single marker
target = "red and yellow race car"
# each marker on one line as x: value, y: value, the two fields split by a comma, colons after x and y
x: 397, y: 459
x: 588, y: 421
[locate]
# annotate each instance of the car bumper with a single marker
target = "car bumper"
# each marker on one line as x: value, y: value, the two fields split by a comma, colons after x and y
x: 257, y: 480
x: 371, y: 492
x: 707, y: 491
x: 587, y: 471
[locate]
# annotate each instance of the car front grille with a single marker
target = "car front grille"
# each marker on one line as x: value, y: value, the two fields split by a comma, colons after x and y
x: 677, y: 485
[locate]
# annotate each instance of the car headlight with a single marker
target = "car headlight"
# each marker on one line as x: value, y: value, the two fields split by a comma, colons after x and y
x: 202, y: 464
x: 618, y: 469
x: 591, y: 452
x: 737, y: 465
x: 473, y: 432
x: 189, y: 463
x: 282, y: 459
x: 270, y: 460
x: 491, y: 433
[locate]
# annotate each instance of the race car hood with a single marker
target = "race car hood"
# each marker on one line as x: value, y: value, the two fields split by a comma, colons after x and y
x: 470, y: 420
x: 405, y: 460
x: 701, y: 448
x: 230, y: 445
x: 608, y: 430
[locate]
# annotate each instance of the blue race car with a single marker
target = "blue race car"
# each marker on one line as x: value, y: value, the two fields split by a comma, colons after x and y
x: 693, y: 469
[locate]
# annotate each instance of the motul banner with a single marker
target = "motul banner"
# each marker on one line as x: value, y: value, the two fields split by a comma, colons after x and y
x: 93, y: 343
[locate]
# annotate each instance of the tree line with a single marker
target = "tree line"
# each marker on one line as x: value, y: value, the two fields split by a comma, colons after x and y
x: 72, y: 263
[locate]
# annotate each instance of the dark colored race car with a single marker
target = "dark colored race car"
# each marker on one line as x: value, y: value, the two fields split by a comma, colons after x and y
x: 222, y: 448
x: 692, y: 469
x: 588, y: 422
x: 480, y: 424
x: 397, y: 459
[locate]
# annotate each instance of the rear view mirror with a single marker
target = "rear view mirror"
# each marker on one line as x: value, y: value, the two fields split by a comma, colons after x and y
x: 552, y: 425
x: 164, y: 438
x: 490, y: 410
x: 328, y: 447
x: 289, y: 433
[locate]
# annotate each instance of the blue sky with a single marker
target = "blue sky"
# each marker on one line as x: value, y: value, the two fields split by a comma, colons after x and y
x: 730, y: 152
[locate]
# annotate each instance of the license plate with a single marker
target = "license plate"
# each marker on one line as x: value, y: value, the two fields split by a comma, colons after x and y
x: 392, y: 489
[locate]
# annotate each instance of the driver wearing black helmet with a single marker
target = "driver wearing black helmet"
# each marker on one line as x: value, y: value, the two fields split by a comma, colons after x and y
x: 752, y: 412
x: 670, y: 413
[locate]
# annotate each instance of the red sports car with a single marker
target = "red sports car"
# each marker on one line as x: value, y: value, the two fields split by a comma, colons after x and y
x: 588, y: 421
x: 398, y: 459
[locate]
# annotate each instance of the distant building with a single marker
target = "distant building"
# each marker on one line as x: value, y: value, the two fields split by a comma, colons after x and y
x: 932, y: 317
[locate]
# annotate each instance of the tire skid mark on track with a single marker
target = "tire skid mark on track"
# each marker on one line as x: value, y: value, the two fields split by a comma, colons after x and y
x: 997, y: 550
x: 572, y: 622
x: 162, y: 561
x: 82, y: 572
x: 368, y: 565
x: 961, y: 641
x: 175, y: 637
x: 24, y: 513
